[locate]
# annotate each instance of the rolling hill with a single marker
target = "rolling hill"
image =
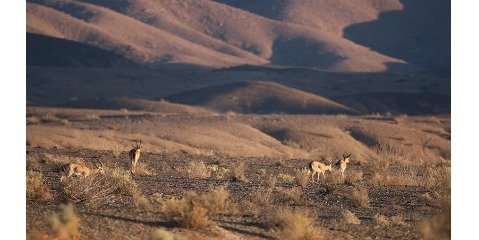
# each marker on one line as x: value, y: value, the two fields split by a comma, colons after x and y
x: 226, y: 33
x: 259, y: 97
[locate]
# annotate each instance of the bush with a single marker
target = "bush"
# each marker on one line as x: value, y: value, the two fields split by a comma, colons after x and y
x: 96, y: 190
x: 198, y: 169
x: 359, y: 197
x: 36, y: 187
x: 349, y: 217
x: 294, y: 225
x: 302, y: 177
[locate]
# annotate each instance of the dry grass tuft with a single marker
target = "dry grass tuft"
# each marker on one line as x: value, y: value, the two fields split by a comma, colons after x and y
x: 290, y: 195
x: 294, y: 225
x: 144, y: 169
x: 239, y: 173
x: 198, y: 169
x: 354, y: 177
x: 193, y: 210
x: 359, y: 197
x: 286, y: 178
x: 381, y: 220
x: 302, y: 177
x: 36, y: 187
x: 97, y: 190
x: 160, y: 234
x: 349, y: 217
x: 188, y: 212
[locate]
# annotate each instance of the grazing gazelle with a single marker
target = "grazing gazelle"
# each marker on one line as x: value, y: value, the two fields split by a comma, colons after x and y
x: 134, y: 156
x: 318, y: 167
x: 343, y: 164
x: 79, y: 170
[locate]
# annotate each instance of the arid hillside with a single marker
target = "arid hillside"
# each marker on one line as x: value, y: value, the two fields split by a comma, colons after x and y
x: 225, y: 33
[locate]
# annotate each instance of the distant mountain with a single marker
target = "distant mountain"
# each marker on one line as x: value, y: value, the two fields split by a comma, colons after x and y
x: 338, y: 36
x: 259, y: 97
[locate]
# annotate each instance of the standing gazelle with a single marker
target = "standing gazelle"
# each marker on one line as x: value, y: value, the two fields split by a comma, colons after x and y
x: 79, y: 170
x: 318, y: 167
x: 343, y: 164
x: 134, y: 156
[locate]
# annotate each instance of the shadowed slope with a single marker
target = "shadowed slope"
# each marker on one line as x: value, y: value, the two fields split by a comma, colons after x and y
x: 260, y: 97
x: 419, y: 34
x: 49, y: 51
x: 199, y: 32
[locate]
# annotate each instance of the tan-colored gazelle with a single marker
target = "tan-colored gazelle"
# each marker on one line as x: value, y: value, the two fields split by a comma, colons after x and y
x: 319, y: 167
x: 134, y: 156
x: 343, y: 164
x: 79, y: 170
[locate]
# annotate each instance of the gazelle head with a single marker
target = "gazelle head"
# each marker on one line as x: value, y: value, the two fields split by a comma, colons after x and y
x: 137, y: 145
x: 346, y: 158
x: 99, y: 167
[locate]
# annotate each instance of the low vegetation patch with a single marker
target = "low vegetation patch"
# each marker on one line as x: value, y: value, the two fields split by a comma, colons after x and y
x: 36, y: 187
x: 359, y: 197
x: 349, y: 217
x: 294, y: 225
x: 97, y: 190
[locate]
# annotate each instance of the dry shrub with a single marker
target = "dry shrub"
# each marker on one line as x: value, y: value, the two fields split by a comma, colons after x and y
x: 286, y: 178
x: 187, y: 212
x: 399, y: 221
x: 143, y: 169
x: 96, y: 190
x: 36, y: 187
x: 239, y: 173
x: 349, y: 217
x: 198, y: 169
x: 160, y: 234
x: 302, y: 177
x: 294, y: 225
x: 381, y: 220
x: 438, y: 181
x: 193, y: 210
x: 353, y: 177
x: 359, y: 197
x: 33, y: 120
x: 65, y: 224
x: 290, y: 196
x: 218, y: 172
x: 217, y: 201
x: 437, y: 178
x: 437, y: 228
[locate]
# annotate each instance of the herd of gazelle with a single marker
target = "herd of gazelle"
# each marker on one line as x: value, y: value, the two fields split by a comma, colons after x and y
x: 75, y: 169
x: 319, y: 167
x: 70, y: 169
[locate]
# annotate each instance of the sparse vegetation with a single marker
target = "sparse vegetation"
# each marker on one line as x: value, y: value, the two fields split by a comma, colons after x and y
x: 239, y: 172
x: 198, y: 169
x: 359, y: 197
x: 97, y: 190
x: 302, y: 177
x: 36, y: 187
x: 349, y: 217
x: 294, y: 225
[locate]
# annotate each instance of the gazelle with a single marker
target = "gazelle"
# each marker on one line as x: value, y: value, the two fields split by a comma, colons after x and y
x: 319, y: 167
x: 134, y: 156
x: 79, y: 170
x: 343, y: 164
